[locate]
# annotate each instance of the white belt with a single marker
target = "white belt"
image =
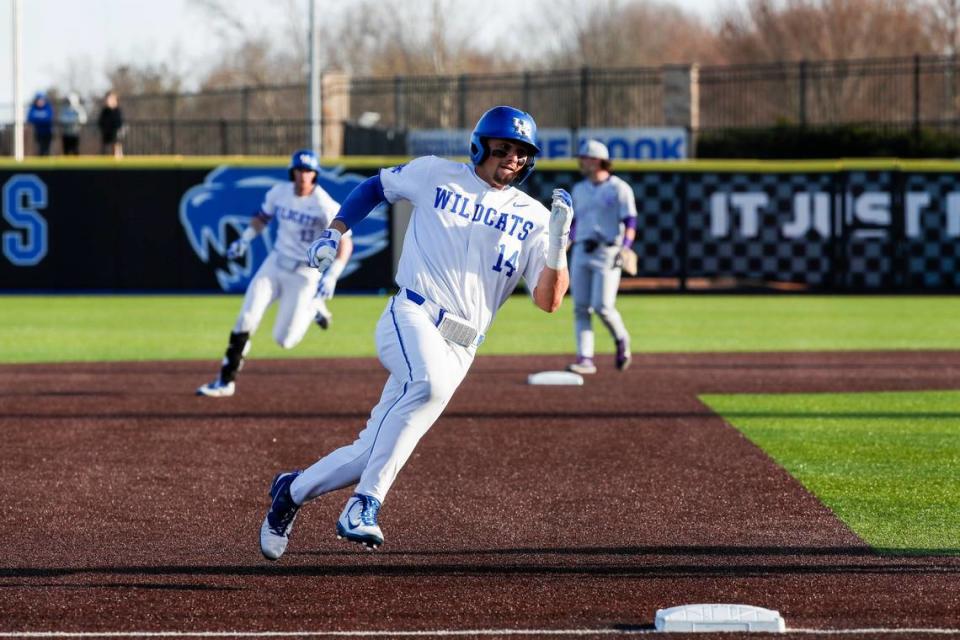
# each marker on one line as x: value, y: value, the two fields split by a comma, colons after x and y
x: 452, y: 327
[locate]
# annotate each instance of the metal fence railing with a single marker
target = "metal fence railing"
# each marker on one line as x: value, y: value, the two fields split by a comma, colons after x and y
x: 885, y: 93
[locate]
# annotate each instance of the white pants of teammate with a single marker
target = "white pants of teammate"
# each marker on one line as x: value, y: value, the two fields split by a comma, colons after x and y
x: 594, y: 282
x: 295, y: 285
x: 425, y: 370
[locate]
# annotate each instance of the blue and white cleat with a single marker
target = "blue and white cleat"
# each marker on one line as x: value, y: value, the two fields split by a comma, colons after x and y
x: 358, y: 522
x: 275, y: 530
x: 217, y: 389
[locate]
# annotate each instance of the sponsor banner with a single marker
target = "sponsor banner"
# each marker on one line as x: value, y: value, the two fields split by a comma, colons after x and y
x: 448, y: 143
x: 650, y: 143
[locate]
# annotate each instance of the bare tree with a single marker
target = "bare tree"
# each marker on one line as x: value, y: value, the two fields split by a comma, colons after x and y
x: 770, y: 30
x: 944, y: 25
x: 392, y: 37
x: 621, y: 33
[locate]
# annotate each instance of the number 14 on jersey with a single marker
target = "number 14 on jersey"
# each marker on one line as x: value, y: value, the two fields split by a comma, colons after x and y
x: 510, y: 264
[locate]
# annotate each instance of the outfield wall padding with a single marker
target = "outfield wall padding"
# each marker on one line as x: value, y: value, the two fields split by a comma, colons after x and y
x: 163, y: 224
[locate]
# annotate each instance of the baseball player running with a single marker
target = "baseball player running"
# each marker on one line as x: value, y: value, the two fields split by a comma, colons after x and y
x: 472, y: 236
x: 605, y: 222
x: 303, y: 210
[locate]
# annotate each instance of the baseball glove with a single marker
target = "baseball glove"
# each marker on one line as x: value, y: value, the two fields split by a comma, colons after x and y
x: 628, y: 261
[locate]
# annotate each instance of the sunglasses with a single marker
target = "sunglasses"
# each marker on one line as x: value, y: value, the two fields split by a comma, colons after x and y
x: 522, y: 153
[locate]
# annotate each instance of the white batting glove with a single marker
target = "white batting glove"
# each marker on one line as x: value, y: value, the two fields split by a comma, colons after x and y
x: 328, y: 285
x: 561, y: 216
x: 237, y: 249
x: 321, y: 253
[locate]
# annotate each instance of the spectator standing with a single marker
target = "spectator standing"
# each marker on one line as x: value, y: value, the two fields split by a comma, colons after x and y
x: 72, y: 118
x: 40, y: 117
x: 111, y: 125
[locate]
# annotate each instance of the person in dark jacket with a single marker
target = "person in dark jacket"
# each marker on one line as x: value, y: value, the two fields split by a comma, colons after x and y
x: 111, y: 125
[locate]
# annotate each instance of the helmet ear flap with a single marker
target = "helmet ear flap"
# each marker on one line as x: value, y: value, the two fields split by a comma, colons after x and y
x: 478, y: 149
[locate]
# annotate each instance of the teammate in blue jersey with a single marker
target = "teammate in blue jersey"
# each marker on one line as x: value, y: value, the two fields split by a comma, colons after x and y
x: 472, y: 237
x: 605, y: 224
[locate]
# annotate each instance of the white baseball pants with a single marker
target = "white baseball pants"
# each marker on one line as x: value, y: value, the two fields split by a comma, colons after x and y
x: 425, y: 370
x: 295, y: 285
x: 594, y: 283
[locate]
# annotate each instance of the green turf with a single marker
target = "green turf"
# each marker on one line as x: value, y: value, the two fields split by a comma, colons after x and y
x: 84, y: 328
x: 887, y: 464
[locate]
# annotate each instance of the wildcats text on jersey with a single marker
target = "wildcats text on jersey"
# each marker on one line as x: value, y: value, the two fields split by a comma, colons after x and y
x: 510, y: 223
x: 302, y: 218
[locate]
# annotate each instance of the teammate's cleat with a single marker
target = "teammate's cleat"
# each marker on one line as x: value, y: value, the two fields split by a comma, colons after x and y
x: 358, y: 522
x: 323, y: 318
x: 623, y: 354
x: 582, y: 366
x: 275, y: 530
x: 217, y: 389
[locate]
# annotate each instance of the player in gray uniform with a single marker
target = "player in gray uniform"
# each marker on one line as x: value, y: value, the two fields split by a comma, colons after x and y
x: 303, y: 210
x: 472, y: 237
x: 605, y: 221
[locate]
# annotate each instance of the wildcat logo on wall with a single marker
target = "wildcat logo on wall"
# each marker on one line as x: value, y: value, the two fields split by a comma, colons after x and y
x: 216, y: 212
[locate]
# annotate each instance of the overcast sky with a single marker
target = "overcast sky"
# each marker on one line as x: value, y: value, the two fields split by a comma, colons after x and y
x: 76, y: 40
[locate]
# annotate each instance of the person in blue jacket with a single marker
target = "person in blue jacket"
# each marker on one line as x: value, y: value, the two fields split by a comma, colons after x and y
x: 40, y: 117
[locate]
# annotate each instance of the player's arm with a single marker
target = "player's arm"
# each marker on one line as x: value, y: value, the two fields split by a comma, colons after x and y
x: 628, y: 208
x: 554, y: 278
x: 364, y: 198
x: 551, y: 287
x: 328, y: 283
x: 630, y: 231
x: 239, y: 246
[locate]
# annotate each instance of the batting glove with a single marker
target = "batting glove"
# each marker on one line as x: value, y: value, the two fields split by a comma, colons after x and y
x: 237, y: 249
x: 561, y: 215
x: 321, y: 253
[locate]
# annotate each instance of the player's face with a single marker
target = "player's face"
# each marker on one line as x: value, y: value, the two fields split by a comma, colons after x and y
x: 303, y: 181
x: 505, y: 160
x: 589, y: 166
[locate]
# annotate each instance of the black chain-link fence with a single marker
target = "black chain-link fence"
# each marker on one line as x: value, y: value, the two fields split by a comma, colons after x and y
x: 895, y: 93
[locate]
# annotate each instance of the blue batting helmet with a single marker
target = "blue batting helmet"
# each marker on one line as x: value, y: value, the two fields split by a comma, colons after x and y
x: 507, y: 123
x: 304, y: 159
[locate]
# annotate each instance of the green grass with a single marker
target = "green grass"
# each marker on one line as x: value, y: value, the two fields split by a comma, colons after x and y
x: 886, y: 463
x: 85, y: 328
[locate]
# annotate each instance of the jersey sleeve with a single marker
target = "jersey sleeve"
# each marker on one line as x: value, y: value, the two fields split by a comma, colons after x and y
x: 403, y: 181
x: 268, y: 207
x: 628, y: 204
x: 576, y: 193
x: 330, y: 206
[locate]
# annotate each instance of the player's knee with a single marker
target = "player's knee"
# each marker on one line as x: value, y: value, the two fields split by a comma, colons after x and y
x: 604, y: 312
x: 286, y: 341
x: 431, y: 390
x: 246, y: 323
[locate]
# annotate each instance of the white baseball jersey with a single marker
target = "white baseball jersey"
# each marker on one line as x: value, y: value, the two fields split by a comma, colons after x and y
x: 468, y: 244
x: 285, y: 275
x: 466, y: 248
x: 300, y: 219
x: 600, y: 209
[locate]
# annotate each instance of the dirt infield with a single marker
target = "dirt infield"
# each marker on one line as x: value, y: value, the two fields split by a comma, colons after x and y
x: 131, y: 505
